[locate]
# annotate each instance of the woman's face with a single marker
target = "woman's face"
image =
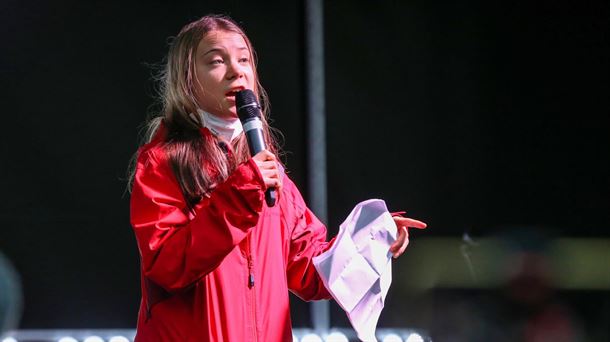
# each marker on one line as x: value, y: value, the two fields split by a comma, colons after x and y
x: 223, y: 67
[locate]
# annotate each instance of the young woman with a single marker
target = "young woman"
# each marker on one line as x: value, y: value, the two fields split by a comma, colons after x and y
x: 216, y: 262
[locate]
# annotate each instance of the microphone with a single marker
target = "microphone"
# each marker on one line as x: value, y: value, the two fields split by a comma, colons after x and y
x: 249, y: 112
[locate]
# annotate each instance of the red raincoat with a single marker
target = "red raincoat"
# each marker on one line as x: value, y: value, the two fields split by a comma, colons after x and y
x: 222, y: 273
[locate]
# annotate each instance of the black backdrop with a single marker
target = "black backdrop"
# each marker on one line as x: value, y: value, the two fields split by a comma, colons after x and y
x: 470, y: 116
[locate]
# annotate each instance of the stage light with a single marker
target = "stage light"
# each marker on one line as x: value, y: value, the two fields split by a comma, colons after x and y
x: 93, y: 339
x: 67, y: 339
x: 9, y: 339
x: 391, y: 337
x: 336, y: 337
x: 414, y: 337
x: 118, y: 339
x: 311, y: 338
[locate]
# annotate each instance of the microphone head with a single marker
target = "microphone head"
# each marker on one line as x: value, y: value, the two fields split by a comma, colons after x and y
x: 247, y: 105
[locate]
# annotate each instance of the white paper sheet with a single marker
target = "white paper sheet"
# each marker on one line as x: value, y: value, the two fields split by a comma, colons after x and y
x: 357, y: 269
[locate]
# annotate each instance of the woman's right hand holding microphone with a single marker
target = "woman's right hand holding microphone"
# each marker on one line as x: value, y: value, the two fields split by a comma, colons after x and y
x: 269, y: 169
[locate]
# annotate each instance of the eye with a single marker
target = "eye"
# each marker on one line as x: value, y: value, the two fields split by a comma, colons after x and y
x: 216, y: 61
x: 244, y: 60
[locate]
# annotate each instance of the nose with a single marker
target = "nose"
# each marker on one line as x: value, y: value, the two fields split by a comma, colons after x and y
x: 235, y: 70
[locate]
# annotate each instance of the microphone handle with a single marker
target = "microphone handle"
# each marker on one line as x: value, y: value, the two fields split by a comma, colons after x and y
x: 270, y: 197
x: 257, y: 144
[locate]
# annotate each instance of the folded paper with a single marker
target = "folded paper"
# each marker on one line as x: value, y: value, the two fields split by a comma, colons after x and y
x: 357, y: 269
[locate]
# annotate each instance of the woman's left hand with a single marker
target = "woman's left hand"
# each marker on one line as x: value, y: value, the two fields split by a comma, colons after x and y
x: 402, y: 225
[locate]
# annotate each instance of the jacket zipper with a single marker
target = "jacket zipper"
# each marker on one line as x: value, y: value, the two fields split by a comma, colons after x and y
x: 250, y: 274
x: 251, y: 285
x: 250, y: 263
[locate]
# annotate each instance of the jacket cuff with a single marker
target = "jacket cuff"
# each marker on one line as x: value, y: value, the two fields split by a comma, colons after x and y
x: 256, y: 173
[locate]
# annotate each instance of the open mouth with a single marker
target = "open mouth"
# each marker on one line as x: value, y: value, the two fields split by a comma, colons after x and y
x: 234, y: 91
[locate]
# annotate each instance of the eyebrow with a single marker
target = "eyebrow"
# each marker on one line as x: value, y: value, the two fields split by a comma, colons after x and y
x: 219, y: 49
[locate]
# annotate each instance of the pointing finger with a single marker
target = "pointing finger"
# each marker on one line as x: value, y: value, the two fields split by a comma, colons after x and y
x: 409, y: 222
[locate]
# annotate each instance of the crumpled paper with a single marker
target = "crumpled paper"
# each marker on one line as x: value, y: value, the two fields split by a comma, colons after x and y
x: 357, y: 269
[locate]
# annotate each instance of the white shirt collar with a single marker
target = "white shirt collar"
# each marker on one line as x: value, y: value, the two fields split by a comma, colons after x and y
x: 228, y: 128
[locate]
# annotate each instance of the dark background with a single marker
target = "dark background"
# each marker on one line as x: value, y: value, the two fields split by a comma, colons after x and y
x: 471, y: 116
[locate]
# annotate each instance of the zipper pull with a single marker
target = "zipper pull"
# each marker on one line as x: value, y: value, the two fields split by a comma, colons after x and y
x: 250, y: 275
x: 251, y: 280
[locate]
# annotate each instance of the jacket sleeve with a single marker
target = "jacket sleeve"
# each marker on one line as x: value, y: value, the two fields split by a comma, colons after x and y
x: 307, y: 240
x: 178, y: 247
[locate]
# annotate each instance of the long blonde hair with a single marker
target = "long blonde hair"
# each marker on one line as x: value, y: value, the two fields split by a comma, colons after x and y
x: 199, y: 162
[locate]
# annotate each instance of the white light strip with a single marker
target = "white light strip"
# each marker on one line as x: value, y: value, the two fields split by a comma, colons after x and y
x: 127, y: 335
